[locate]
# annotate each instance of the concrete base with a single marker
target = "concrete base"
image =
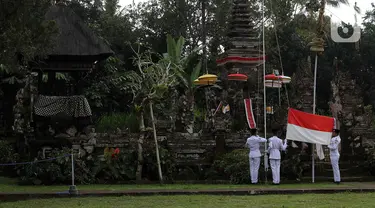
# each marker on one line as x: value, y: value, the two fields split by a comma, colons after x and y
x: 73, y: 190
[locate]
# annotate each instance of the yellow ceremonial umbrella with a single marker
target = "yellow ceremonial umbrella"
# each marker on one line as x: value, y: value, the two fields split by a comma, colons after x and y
x: 206, y: 79
x: 203, y: 82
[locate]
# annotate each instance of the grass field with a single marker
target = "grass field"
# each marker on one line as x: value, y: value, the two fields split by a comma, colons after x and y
x: 347, y: 200
x: 342, y: 200
x: 9, y: 185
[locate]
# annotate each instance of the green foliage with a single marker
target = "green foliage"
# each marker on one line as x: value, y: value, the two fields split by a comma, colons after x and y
x: 168, y: 163
x: 292, y: 168
x: 112, y: 86
x: 234, y: 166
x: 174, y: 49
x: 239, y: 124
x: 195, y: 73
x: 24, y: 31
x: 199, y: 113
x: 111, y: 7
x: 114, y: 121
x: 115, y: 169
x: 55, y: 172
x: 7, y: 155
x: 58, y: 76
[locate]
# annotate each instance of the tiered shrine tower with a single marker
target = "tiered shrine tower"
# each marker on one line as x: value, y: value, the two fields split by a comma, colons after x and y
x: 242, y: 55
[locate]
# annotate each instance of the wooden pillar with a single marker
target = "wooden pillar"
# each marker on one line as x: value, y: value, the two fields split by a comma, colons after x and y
x: 41, y: 90
x: 77, y: 82
x: 51, y: 83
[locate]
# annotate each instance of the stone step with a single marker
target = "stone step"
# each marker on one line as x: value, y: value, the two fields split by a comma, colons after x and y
x: 347, y: 173
x: 344, y: 165
x: 343, y: 179
x: 343, y: 172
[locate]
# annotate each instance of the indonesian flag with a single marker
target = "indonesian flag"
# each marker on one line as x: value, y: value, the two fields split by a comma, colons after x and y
x: 307, y: 127
x: 249, y: 113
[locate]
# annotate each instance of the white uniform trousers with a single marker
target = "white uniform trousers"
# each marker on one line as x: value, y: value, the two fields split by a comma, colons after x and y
x: 335, y: 168
x: 275, y: 166
x: 254, y: 169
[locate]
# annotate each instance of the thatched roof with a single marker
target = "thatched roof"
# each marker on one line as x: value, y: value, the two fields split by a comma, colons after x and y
x: 75, y: 40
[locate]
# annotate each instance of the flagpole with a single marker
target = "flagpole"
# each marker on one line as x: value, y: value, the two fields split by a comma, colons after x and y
x: 264, y: 96
x: 314, y: 106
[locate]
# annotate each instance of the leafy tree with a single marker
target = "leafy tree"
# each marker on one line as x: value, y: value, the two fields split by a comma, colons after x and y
x: 150, y: 84
x: 25, y: 34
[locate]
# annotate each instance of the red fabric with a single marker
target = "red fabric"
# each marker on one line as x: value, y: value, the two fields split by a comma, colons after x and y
x: 238, y: 58
x: 310, y: 121
x: 237, y: 77
x: 271, y: 77
x: 249, y: 113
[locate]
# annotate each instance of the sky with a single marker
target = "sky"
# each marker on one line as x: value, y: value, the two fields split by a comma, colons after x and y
x: 344, y: 13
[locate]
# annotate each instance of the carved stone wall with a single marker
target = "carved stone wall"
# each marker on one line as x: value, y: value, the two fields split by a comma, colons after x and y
x: 354, y: 118
x: 189, y: 149
x: 302, y: 87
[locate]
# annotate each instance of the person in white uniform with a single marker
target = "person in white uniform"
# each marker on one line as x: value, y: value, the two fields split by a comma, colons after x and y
x: 274, y: 147
x: 254, y: 155
x: 335, y: 155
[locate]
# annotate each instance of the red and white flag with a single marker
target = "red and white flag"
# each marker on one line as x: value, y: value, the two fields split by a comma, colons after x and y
x: 307, y: 127
x: 249, y: 113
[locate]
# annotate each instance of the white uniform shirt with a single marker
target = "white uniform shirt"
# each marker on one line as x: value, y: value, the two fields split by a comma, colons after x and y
x: 334, y: 146
x: 253, y: 144
x: 274, y: 147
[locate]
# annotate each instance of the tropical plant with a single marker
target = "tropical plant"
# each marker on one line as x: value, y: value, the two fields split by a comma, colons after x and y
x: 187, y: 77
x: 115, y: 121
x: 150, y: 84
x: 234, y: 166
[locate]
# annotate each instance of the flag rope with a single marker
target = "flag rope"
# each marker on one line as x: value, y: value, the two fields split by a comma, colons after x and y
x: 35, y: 161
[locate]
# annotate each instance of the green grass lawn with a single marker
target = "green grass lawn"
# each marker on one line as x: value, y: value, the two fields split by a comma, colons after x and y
x: 348, y: 200
x: 17, y: 188
x: 9, y: 185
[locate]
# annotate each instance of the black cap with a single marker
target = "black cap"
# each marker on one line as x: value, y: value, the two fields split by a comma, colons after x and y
x: 336, y: 130
x: 253, y: 131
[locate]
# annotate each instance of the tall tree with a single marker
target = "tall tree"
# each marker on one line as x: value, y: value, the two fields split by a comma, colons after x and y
x: 111, y: 7
x: 24, y: 31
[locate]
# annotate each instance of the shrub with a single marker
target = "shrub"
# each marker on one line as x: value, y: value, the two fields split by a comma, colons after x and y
x: 167, y: 160
x: 234, y: 166
x: 294, y: 163
x: 56, y: 171
x: 7, y: 155
x: 123, y: 121
x: 118, y: 165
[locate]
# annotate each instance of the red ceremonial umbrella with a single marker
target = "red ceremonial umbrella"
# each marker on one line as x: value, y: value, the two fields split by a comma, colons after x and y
x: 237, y: 77
x: 271, y: 77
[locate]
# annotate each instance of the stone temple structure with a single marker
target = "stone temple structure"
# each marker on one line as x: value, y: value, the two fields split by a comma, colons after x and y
x: 243, y: 55
x: 51, y: 112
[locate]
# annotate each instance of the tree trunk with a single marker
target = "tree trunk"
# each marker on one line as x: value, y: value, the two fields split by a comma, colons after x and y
x: 191, y: 117
x: 141, y: 137
x: 320, y: 31
x: 156, y: 143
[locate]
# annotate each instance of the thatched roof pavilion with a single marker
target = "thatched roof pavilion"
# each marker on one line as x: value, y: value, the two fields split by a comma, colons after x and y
x: 76, y: 47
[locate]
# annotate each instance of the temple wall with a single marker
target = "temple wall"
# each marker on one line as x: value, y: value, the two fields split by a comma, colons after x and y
x: 355, y: 119
x: 189, y: 149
